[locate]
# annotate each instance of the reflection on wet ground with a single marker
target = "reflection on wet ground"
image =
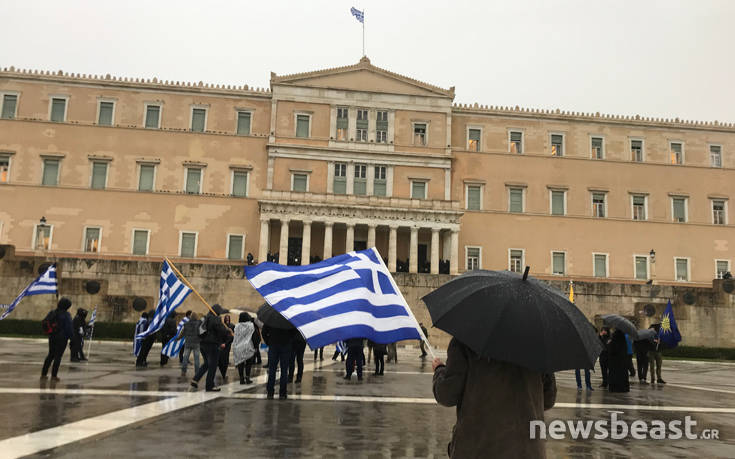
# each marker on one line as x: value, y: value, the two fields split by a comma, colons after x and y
x: 326, y: 415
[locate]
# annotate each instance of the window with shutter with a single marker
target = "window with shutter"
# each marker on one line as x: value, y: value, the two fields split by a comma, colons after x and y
x: 557, y: 203
x: 193, y: 180
x: 50, y: 172
x: 239, y: 183
x: 473, y: 141
x: 43, y: 237
x: 418, y: 190
x: 679, y: 209
x: 152, y: 116
x: 597, y: 152
x: 140, y: 242
x: 677, y: 153
x: 682, y: 269
x: 342, y: 123
x: 362, y: 126
x: 235, y: 247
x: 639, y: 207
x: 106, y: 109
x: 598, y: 205
x: 188, y: 245
x: 718, y: 212
x: 58, y: 110
x: 302, y: 126
x: 419, y: 134
x: 10, y: 101
x: 641, y: 268
x: 516, y: 261
x: 557, y: 145
x: 99, y: 175
x: 559, y: 263
x: 300, y: 183
x: 636, y: 150
x: 516, y: 200
x: 243, y: 123
x: 198, y: 119
x: 145, y: 181
x: 715, y: 155
x: 381, y: 126
x: 474, y: 200
x: 340, y: 178
x: 380, y: 182
x: 516, y: 142
x: 473, y: 258
x: 600, y: 265
x: 359, y: 186
x: 92, y: 239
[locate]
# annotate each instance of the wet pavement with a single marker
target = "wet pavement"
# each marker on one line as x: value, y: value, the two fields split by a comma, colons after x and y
x: 107, y: 408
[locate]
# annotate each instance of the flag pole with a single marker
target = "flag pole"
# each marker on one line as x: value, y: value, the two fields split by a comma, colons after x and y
x: 363, y: 32
x: 91, y: 335
x: 395, y: 287
x: 188, y: 284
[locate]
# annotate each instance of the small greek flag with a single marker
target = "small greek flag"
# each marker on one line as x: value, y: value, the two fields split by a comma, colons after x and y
x: 359, y: 15
x: 174, y: 346
x: 44, y: 284
x: 93, y: 318
x: 140, y: 327
x: 341, y: 347
x: 347, y: 296
x: 173, y: 293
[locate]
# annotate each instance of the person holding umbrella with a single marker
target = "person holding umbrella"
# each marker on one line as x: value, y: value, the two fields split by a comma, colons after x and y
x: 499, y: 389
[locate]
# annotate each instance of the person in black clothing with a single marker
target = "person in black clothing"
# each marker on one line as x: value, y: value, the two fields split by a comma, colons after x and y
x: 76, y: 344
x: 605, y: 340
x: 355, y: 356
x: 167, y: 332
x: 61, y: 319
x: 258, y: 359
x: 298, y: 347
x: 641, y: 358
x: 147, y: 344
x: 618, y: 363
x: 337, y: 353
x: 212, y: 342
x: 279, y: 353
x: 379, y: 351
x: 224, y: 355
x: 426, y: 335
x: 320, y: 352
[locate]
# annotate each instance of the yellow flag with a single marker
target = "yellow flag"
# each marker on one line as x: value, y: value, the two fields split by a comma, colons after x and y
x: 571, y: 291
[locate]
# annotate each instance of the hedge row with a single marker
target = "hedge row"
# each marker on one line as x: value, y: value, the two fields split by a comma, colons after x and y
x: 102, y: 330
x: 696, y: 352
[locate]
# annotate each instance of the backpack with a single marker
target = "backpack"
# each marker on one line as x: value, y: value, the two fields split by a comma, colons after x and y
x: 202, y: 331
x: 49, y: 325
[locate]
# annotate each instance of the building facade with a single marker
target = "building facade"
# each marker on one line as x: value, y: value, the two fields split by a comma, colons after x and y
x: 353, y: 157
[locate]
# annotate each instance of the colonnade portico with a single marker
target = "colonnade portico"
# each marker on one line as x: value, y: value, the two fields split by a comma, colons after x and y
x: 439, y: 234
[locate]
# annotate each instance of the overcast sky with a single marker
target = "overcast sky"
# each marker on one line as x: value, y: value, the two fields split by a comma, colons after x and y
x: 665, y: 58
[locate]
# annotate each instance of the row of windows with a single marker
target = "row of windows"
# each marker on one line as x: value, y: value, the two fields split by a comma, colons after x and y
x: 557, y: 143
x: 598, y: 200
x: 140, y: 241
x: 363, y: 121
x: 600, y: 264
x: 146, y: 176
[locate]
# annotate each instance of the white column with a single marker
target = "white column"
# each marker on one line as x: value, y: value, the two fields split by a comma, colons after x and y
x: 264, y: 239
x: 327, y: 240
x: 350, y: 238
x: 306, y: 243
x: 413, y: 251
x: 370, y: 189
x: 269, y: 175
x: 350, y: 178
x: 392, y: 246
x: 454, y: 260
x: 447, y: 246
x: 447, y: 184
x: 283, y: 247
x: 434, y: 250
x: 371, y: 236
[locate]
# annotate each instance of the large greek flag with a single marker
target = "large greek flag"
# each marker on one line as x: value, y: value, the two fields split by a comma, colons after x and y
x: 174, y: 345
x: 173, y: 293
x: 347, y: 296
x: 44, y: 284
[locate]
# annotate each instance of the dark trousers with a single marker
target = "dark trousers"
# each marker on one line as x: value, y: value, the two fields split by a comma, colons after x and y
x: 631, y: 368
x: 320, y: 352
x: 297, y: 359
x: 379, y: 362
x: 355, y: 356
x: 76, y: 344
x: 56, y: 347
x: 258, y: 358
x: 278, y: 355
x: 578, y: 377
x: 604, y: 371
x: 641, y: 359
x: 224, y: 361
x: 145, y: 348
x: 211, y: 358
x: 423, y: 349
x: 243, y: 368
x: 336, y: 353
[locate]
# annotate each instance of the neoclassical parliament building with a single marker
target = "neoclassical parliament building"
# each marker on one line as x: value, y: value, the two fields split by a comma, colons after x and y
x: 342, y: 159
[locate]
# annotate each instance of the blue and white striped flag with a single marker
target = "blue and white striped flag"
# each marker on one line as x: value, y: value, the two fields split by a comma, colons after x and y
x: 173, y: 293
x: 347, y: 296
x: 140, y: 327
x: 341, y: 347
x: 44, y: 284
x: 174, y: 345
x: 359, y: 15
x: 93, y: 318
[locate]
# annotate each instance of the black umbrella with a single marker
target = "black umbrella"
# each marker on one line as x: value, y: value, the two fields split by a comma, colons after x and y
x: 646, y: 333
x: 269, y: 316
x: 506, y: 316
x: 622, y: 324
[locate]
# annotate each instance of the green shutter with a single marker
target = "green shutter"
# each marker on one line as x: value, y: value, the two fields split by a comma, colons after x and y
x: 193, y: 180
x: 58, y: 107
x: 198, y: 117
x: 362, y: 119
x: 239, y: 183
x: 9, y: 103
x: 382, y: 121
x: 302, y: 126
x: 681, y: 269
x: 418, y: 190
x: 235, y: 248
x: 473, y: 197
x: 188, y: 245
x: 99, y: 175
x: 299, y: 182
x: 641, y: 268
x: 151, y: 116
x: 342, y: 121
x: 140, y: 240
x: 243, y: 123
x: 557, y: 203
x: 105, y: 118
x: 679, y: 210
x: 145, y: 183
x: 600, y: 266
x: 91, y: 240
x: 474, y: 134
x: 558, y: 262
x: 516, y: 200
x: 50, y: 172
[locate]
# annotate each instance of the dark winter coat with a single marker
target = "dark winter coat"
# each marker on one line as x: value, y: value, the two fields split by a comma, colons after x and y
x: 277, y: 336
x: 355, y: 343
x: 618, y: 363
x: 79, y: 324
x: 190, y: 332
x: 495, y: 403
x: 217, y: 332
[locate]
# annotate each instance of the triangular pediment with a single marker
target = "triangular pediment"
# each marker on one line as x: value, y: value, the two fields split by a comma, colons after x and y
x: 363, y: 77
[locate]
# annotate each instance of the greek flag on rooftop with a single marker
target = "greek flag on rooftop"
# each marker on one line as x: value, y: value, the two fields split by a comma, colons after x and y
x: 174, y: 345
x: 359, y: 15
x: 347, y: 296
x: 173, y: 293
x: 44, y: 284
